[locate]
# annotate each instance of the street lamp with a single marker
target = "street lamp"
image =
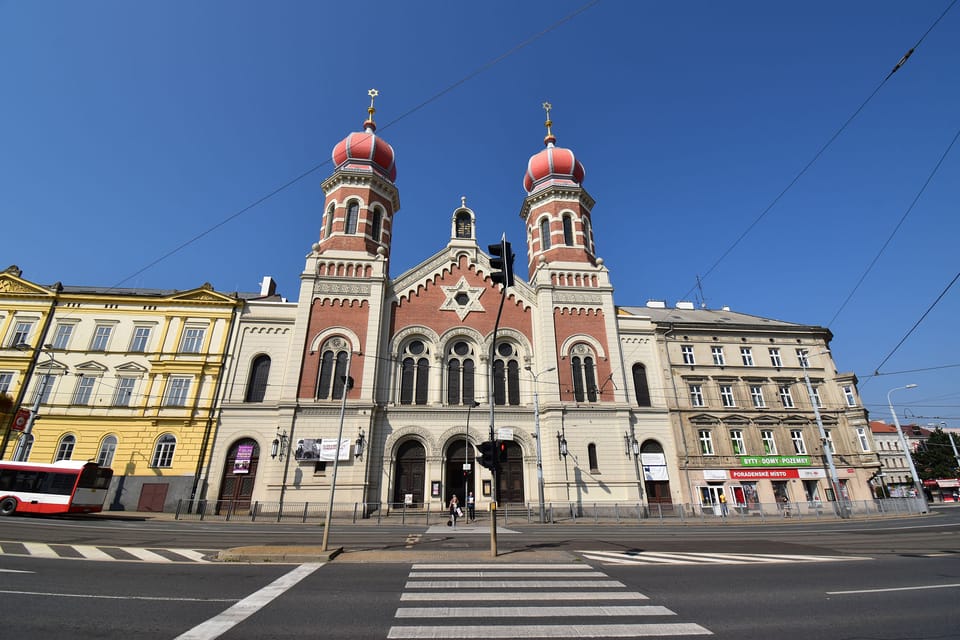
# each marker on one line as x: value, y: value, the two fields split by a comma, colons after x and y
x: 632, y: 446
x: 536, y: 427
x: 466, y: 453
x: 906, y: 449
x: 279, y: 445
x: 825, y: 444
x: 26, y: 439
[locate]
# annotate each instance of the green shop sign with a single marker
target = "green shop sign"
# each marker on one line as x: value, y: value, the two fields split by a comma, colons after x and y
x: 775, y: 461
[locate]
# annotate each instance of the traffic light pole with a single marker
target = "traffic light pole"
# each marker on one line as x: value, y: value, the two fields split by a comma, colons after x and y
x: 501, y: 272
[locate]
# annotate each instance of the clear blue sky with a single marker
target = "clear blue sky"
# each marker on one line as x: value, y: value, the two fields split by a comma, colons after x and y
x: 129, y: 128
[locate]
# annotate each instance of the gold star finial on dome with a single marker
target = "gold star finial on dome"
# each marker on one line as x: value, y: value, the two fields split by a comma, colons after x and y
x: 550, y: 137
x: 373, y: 93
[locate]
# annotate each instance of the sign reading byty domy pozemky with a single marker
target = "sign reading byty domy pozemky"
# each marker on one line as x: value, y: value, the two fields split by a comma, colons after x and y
x: 775, y: 461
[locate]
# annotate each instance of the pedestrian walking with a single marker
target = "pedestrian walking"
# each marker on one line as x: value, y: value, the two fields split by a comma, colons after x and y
x: 472, y: 507
x: 455, y: 511
x: 723, y: 504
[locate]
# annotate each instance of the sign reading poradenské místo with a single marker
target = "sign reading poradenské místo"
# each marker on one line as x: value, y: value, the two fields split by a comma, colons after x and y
x: 775, y: 461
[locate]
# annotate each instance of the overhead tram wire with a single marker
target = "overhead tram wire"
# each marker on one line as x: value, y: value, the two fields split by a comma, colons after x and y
x: 479, y: 70
x: 893, y: 233
x: 876, y: 371
x: 817, y: 155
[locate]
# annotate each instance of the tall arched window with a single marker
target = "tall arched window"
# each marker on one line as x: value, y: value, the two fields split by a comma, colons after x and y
x: 377, y: 224
x: 592, y: 458
x: 108, y: 447
x: 163, y: 451
x: 353, y: 214
x: 414, y: 373
x: 328, y: 223
x: 65, y: 448
x: 544, y: 234
x: 584, y: 373
x: 257, y: 384
x: 640, y: 385
x: 587, y: 235
x: 568, y: 230
x: 463, y: 225
x: 460, y: 373
x: 506, y: 375
x: 333, y: 369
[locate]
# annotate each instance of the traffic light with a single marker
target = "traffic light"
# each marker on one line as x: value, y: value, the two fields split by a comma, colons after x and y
x: 502, y: 449
x: 501, y: 262
x: 487, y: 455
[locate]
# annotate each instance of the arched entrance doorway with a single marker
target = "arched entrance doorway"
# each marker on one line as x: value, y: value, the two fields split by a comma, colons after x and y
x: 409, y: 480
x: 510, y: 481
x: 239, y: 476
x: 655, y: 478
x: 459, y: 480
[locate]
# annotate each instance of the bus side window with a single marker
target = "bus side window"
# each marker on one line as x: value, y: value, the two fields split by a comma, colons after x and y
x: 6, y: 479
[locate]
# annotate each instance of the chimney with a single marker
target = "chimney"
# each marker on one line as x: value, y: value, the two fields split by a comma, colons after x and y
x: 268, y: 287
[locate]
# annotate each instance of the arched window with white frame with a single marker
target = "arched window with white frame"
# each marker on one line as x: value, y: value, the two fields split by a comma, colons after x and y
x: 65, y: 448
x: 163, y: 451
x: 461, y: 371
x: 377, y: 226
x: 568, y: 230
x: 328, y: 223
x: 333, y: 369
x: 584, y: 373
x: 108, y: 448
x: 415, y: 372
x: 353, y: 216
x: 506, y: 375
x: 544, y: 234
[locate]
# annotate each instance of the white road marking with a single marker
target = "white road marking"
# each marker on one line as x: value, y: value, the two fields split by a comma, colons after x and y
x: 552, y: 631
x: 654, y: 557
x: 435, y: 596
x: 104, y: 597
x: 511, y: 566
x: 531, y: 612
x: 144, y: 554
x: 506, y: 574
x: 93, y: 553
x: 14, y: 571
x: 512, y: 584
x: 40, y: 550
x: 925, y: 586
x: 218, y: 625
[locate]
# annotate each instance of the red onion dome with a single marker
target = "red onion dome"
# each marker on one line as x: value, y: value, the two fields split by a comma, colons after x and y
x: 554, y: 162
x: 364, y: 150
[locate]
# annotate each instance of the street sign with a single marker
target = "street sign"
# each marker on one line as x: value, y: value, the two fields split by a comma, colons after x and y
x: 21, y: 419
x: 505, y: 433
x: 466, y: 466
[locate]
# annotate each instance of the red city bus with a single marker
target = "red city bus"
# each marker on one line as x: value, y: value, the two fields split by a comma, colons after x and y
x: 66, y: 486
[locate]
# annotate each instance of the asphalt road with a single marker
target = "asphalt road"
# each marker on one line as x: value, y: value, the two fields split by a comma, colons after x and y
x: 839, y: 580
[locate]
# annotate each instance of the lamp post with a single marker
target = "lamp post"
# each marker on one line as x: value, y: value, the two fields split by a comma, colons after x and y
x: 825, y: 444
x: 536, y: 428
x: 26, y: 439
x: 466, y: 453
x: 632, y: 446
x: 906, y: 449
x: 347, y: 385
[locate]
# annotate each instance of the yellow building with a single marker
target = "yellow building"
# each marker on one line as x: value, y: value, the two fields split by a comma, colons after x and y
x: 124, y: 377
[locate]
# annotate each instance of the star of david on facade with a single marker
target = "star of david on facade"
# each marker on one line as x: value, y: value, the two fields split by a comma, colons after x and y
x: 462, y: 298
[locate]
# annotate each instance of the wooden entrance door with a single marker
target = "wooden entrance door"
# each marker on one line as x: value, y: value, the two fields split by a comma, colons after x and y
x: 409, y: 478
x: 510, y: 481
x: 239, y: 476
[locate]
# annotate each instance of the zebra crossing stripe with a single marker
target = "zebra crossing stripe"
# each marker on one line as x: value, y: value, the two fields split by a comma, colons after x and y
x: 653, y: 558
x: 484, y: 596
x: 506, y: 574
x: 513, y: 584
x: 92, y: 553
x: 530, y: 612
x: 40, y: 550
x: 552, y: 631
x: 493, y: 565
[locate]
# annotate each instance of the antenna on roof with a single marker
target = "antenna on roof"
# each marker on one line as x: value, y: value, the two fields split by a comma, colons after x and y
x: 701, y: 298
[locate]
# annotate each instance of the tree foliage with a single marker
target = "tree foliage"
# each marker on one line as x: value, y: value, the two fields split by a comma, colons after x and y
x: 934, y: 458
